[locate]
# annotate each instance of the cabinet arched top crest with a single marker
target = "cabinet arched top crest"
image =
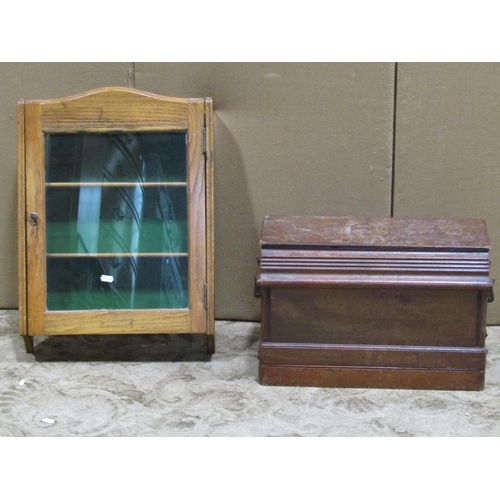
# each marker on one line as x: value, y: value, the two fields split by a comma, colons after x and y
x: 115, y: 109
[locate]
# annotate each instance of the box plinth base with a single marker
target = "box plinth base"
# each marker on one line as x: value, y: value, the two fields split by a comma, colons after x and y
x: 383, y: 367
x: 377, y: 378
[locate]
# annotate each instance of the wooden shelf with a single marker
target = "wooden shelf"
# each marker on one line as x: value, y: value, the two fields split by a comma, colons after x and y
x: 111, y: 255
x: 113, y: 184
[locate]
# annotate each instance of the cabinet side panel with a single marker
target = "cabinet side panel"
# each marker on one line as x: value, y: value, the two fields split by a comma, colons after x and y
x: 209, y: 179
x: 21, y: 204
x: 196, y: 217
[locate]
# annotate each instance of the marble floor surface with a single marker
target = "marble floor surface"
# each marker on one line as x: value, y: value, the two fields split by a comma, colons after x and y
x: 167, y: 386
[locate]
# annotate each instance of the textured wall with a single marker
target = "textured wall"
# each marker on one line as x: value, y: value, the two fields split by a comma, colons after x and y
x: 447, y: 146
x: 300, y: 138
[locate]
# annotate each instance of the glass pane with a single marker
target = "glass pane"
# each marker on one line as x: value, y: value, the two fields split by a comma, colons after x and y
x: 82, y: 283
x: 122, y: 241
x: 133, y: 157
x: 118, y: 219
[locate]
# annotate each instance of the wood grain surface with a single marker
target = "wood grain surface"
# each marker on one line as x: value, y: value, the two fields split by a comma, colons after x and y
x: 115, y: 109
x: 385, y: 303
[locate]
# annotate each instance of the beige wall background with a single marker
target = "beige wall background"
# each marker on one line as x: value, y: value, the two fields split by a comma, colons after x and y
x: 304, y: 139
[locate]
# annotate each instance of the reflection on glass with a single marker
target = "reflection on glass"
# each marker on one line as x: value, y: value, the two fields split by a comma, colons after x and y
x: 130, y: 219
x: 83, y: 283
x: 121, y: 195
x: 137, y: 157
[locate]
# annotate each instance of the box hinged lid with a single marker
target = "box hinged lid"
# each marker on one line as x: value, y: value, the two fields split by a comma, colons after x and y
x: 360, y: 251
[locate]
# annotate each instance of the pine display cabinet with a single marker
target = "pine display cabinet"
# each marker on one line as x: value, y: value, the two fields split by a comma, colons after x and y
x: 115, y: 215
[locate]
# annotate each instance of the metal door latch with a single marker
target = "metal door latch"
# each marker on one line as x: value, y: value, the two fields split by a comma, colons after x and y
x: 34, y: 218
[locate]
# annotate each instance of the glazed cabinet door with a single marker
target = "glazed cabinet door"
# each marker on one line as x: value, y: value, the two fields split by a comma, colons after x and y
x: 115, y: 211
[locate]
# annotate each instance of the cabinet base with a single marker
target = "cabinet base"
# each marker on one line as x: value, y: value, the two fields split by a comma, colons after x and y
x: 28, y: 343
x: 210, y: 344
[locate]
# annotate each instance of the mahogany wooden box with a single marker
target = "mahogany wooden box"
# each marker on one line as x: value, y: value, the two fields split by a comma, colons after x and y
x: 373, y: 302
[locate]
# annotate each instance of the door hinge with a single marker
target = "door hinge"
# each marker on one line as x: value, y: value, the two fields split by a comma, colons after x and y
x: 205, y: 296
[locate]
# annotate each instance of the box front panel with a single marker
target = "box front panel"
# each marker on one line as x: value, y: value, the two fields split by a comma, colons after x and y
x: 421, y: 317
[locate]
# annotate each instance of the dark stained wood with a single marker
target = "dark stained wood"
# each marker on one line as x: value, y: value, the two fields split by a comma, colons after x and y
x: 361, y: 302
x: 417, y: 357
x: 371, y: 233
x: 377, y: 316
x: 379, y: 378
